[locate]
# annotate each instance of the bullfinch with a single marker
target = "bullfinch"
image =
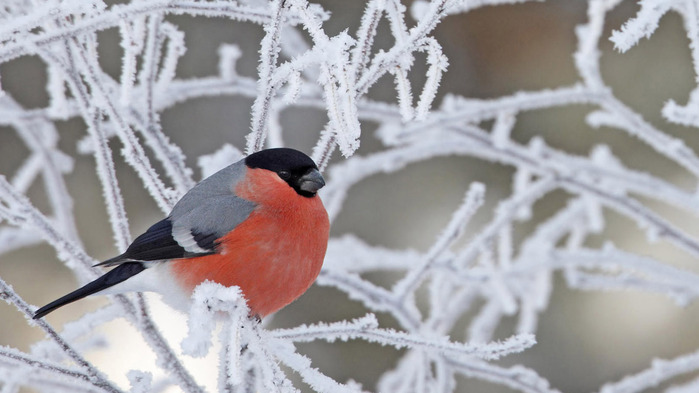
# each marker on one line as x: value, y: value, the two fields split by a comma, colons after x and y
x: 257, y: 224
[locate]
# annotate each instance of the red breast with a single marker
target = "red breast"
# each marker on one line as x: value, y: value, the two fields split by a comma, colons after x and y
x: 274, y: 255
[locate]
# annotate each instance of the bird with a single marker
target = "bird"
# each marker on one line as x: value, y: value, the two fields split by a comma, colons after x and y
x: 258, y: 224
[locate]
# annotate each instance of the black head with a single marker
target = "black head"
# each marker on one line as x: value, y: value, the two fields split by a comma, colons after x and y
x: 292, y: 166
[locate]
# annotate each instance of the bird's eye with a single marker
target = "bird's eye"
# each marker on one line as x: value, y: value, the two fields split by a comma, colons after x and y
x: 284, y: 175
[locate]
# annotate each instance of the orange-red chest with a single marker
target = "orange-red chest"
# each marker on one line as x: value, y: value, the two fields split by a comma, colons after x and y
x: 274, y: 255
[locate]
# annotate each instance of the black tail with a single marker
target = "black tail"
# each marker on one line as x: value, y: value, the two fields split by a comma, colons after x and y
x: 111, y: 278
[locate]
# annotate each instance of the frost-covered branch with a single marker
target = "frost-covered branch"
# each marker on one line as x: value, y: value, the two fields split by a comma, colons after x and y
x: 659, y: 372
x: 95, y: 376
x: 494, y: 259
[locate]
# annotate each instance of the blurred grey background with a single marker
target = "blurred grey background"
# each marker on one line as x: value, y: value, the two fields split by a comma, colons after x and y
x: 584, y: 339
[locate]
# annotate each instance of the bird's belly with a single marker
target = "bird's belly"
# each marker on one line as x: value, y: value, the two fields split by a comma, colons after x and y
x: 272, y: 256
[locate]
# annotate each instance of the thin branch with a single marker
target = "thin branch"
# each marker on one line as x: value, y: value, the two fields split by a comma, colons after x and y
x: 8, y: 294
x: 269, y: 53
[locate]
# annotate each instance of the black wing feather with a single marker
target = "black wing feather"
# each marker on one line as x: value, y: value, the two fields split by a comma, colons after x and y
x: 156, y: 244
x: 206, y: 241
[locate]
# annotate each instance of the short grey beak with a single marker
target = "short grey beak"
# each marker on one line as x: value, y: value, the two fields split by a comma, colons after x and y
x: 312, y: 181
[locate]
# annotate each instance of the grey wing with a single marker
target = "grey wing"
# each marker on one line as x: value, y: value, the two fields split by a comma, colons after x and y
x: 198, y: 230
x: 210, y: 210
x: 205, y: 213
